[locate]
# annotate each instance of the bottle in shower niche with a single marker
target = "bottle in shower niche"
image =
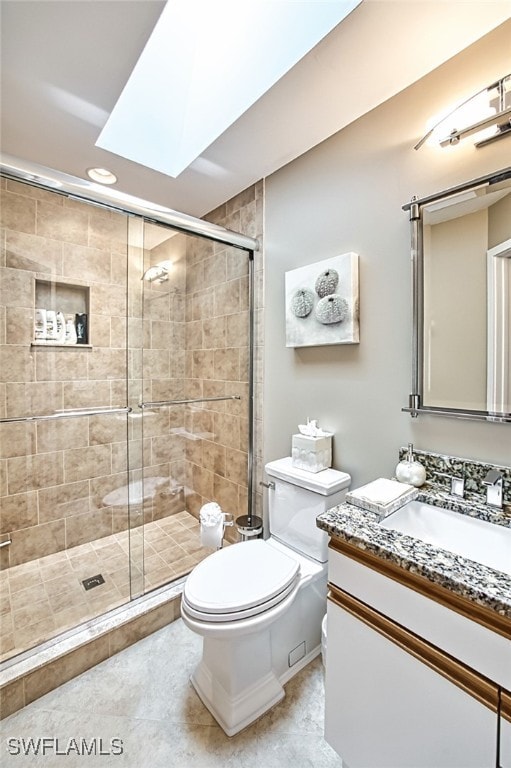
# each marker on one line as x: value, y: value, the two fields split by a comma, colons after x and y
x: 51, y: 325
x: 40, y: 325
x: 61, y: 328
x: 71, y: 337
x: 81, y: 329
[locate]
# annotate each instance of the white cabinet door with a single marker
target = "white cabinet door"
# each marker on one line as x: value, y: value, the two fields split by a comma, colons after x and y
x: 505, y: 730
x: 387, y: 709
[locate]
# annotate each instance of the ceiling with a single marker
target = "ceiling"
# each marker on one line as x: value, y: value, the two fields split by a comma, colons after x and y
x: 65, y: 62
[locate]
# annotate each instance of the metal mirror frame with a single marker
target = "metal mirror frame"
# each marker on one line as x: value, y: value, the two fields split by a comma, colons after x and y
x: 415, y: 400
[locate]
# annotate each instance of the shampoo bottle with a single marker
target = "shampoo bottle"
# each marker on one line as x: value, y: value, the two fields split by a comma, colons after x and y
x: 411, y: 471
x: 61, y: 328
x: 51, y: 325
x: 82, y: 332
x: 70, y: 330
x: 40, y: 325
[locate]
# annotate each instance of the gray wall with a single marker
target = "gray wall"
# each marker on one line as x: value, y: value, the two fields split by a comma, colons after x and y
x: 346, y: 195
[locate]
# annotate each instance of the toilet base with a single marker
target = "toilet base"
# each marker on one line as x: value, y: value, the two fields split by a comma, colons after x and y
x: 235, y: 712
x: 241, y: 676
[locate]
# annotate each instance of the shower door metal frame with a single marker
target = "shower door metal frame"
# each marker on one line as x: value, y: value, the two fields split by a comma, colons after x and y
x: 79, y: 189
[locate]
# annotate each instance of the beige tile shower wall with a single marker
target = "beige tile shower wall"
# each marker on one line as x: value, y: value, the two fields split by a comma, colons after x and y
x: 217, y: 322
x: 162, y: 363
x: 56, y: 477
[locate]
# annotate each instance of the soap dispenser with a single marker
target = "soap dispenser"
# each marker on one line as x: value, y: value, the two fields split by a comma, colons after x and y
x: 411, y: 471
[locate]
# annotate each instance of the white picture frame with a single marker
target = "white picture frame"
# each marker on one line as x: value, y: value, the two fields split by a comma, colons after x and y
x: 322, y: 303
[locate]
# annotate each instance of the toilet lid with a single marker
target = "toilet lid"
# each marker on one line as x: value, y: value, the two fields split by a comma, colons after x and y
x: 240, y: 577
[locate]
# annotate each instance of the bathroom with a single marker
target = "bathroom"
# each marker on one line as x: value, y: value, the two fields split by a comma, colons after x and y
x: 346, y: 194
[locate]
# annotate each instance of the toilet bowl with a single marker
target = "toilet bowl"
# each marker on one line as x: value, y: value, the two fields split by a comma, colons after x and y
x: 259, y: 604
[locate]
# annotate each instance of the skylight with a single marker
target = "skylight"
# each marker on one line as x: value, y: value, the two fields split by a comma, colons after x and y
x: 205, y: 64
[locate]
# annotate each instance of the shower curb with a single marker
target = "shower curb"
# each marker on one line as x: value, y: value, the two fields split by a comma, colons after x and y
x: 39, y: 671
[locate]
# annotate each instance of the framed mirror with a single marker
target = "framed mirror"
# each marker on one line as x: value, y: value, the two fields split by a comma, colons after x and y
x: 461, y: 300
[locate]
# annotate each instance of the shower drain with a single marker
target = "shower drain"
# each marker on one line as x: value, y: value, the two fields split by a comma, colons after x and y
x: 93, y: 581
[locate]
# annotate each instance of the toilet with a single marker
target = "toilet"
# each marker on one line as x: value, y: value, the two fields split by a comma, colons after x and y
x: 259, y: 604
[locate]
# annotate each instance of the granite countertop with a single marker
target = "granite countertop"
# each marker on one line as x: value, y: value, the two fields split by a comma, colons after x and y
x: 473, y: 581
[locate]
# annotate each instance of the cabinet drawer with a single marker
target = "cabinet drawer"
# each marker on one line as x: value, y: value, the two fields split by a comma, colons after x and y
x: 394, y: 701
x: 484, y: 650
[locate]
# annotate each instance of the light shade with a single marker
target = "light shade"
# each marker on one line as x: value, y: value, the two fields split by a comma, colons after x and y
x: 205, y: 64
x: 485, y: 116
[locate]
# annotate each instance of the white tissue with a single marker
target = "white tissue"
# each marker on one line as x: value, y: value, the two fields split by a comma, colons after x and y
x: 382, y: 496
x: 382, y: 491
x: 211, y: 525
x: 311, y: 429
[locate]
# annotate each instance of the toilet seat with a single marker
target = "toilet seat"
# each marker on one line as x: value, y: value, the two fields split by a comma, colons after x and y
x: 240, y: 581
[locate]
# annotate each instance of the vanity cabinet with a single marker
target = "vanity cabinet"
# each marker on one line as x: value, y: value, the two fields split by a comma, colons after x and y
x: 406, y: 687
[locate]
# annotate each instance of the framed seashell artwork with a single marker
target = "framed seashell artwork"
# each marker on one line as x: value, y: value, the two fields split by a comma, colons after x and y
x: 322, y: 303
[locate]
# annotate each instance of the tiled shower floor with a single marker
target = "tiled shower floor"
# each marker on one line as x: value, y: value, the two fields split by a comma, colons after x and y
x: 44, y: 597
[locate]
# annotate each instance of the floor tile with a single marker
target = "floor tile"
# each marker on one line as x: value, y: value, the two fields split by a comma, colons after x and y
x: 143, y: 697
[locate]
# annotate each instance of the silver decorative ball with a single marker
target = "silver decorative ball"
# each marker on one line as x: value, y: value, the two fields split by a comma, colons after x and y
x: 332, y: 309
x: 327, y: 282
x: 302, y: 302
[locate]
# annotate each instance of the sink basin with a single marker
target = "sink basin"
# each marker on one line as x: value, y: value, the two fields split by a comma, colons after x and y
x: 478, y: 540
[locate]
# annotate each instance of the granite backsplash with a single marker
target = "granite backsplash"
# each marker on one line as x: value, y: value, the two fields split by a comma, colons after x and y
x: 440, y: 468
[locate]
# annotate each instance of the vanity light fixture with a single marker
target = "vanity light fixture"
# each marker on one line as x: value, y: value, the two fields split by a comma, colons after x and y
x: 486, y: 116
x: 101, y: 175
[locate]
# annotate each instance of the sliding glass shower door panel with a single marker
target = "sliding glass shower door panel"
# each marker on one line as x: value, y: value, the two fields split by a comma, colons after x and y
x: 195, y: 392
x: 64, y: 415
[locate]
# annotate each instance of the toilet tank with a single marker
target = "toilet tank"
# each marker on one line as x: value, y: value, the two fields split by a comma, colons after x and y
x: 296, y: 501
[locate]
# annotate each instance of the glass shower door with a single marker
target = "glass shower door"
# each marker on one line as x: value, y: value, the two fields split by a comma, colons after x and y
x: 125, y: 405
x: 64, y: 515
x: 193, y: 354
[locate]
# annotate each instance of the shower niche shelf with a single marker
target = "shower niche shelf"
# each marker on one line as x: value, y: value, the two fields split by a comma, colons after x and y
x: 66, y: 297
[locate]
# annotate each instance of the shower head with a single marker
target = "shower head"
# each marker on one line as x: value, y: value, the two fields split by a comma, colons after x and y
x: 159, y: 272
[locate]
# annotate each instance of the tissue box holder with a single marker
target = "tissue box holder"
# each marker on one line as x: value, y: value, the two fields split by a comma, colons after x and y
x: 312, y: 454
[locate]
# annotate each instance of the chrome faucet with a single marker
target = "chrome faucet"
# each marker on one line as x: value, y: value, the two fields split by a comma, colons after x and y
x: 494, y: 483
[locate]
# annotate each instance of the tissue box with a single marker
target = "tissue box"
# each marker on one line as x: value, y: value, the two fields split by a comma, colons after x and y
x: 312, y: 454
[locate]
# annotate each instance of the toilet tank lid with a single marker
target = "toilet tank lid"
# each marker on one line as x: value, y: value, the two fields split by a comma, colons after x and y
x: 326, y: 482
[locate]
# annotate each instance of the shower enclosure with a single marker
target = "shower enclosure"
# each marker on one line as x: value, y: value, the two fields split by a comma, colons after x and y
x: 111, y: 444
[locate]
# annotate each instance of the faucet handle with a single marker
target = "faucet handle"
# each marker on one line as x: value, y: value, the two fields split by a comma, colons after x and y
x: 494, y: 487
x: 457, y: 483
x: 493, y: 477
x: 457, y: 486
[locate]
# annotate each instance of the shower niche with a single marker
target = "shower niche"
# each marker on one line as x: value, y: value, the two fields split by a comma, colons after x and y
x: 70, y: 299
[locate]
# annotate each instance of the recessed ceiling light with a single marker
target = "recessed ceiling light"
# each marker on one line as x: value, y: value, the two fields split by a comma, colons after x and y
x: 101, y: 175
